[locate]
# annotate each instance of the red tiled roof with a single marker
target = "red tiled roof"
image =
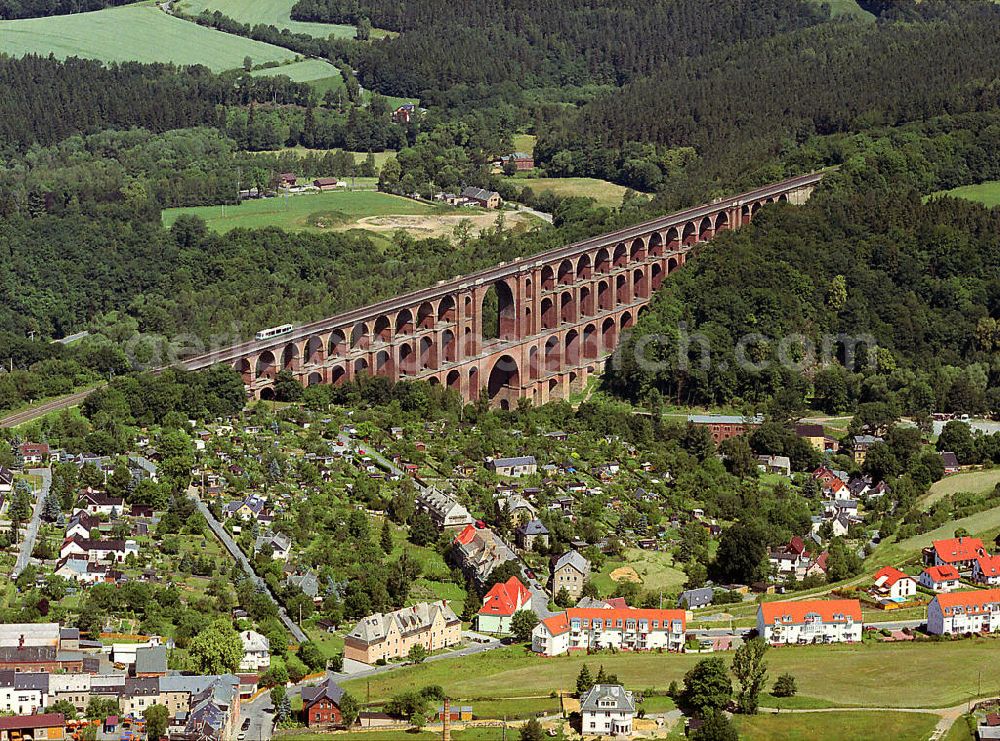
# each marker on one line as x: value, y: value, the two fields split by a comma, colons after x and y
x: 942, y: 573
x: 976, y: 601
x: 958, y: 549
x: 796, y: 611
x: 989, y: 565
x: 46, y: 720
x: 891, y: 575
x: 465, y: 537
x: 561, y: 623
x: 505, y: 599
x: 617, y: 603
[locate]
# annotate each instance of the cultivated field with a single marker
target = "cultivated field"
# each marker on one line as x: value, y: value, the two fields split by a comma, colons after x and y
x: 140, y: 33
x: 857, y: 726
x: 654, y: 570
x: 971, y: 481
x: 605, y: 193
x: 987, y: 193
x: 271, y: 13
x: 515, y: 672
x: 322, y: 76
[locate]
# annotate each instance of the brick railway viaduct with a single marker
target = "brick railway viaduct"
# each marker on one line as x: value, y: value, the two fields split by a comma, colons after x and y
x: 560, y: 313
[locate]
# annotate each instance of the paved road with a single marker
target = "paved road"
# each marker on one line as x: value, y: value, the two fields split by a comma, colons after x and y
x: 63, y: 402
x: 261, y: 714
x: 28, y: 544
x: 237, y: 553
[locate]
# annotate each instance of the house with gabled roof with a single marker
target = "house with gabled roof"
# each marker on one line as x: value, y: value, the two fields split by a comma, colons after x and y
x: 986, y: 570
x: 943, y: 578
x: 530, y: 533
x: 479, y: 551
x: 892, y: 584
x: 444, y: 510
x: 960, y: 552
x: 391, y: 635
x: 321, y: 704
x: 810, y: 621
x: 500, y: 605
x: 516, y: 467
x: 607, y: 709
x: 964, y: 612
x: 570, y: 572
x: 628, y: 629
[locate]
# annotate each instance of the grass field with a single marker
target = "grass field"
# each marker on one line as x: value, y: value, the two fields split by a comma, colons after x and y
x: 655, y: 570
x: 971, y: 481
x: 141, y: 33
x: 307, y: 211
x: 605, y: 193
x: 987, y: 193
x: 850, y: 8
x: 524, y: 143
x: 510, y: 672
x: 856, y: 726
x: 890, y: 553
x: 271, y: 13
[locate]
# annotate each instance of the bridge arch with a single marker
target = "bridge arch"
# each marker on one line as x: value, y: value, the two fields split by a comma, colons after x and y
x: 621, y: 290
x: 567, y: 307
x: 428, y: 354
x: 783, y: 198
x: 638, y: 250
x: 620, y: 256
x: 360, y: 367
x: 290, y: 357
x: 553, y: 361
x: 690, y: 234
x: 672, y: 264
x: 383, y: 329
x: 449, y: 346
x: 404, y: 322
x: 583, y: 268
x: 384, y: 364
x: 626, y: 320
x: 571, y: 355
x: 454, y: 381
x: 602, y: 261
x: 243, y: 367
x: 722, y: 222
x: 504, y: 384
x: 605, y: 296
x: 359, y: 336
x: 533, y: 369
x: 673, y: 239
x: 566, y: 273
x: 639, y: 289
x: 426, y: 316
x: 314, y: 379
x: 314, y: 350
x: 656, y: 244
x: 337, y: 345
x: 446, y: 309
x: 609, y: 334
x: 473, y: 388
x: 705, y: 229
x: 656, y: 276
x: 407, y: 359
x: 548, y: 278
x: 338, y: 375
x: 267, y: 394
x: 586, y: 302
x: 590, y: 345
x: 548, y: 315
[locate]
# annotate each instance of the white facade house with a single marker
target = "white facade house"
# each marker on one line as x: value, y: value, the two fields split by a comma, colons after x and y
x: 964, y: 612
x: 607, y: 710
x: 810, y: 621
x: 893, y: 584
x: 986, y: 570
x: 940, y: 578
x: 256, y: 651
x: 24, y: 694
x: 624, y: 629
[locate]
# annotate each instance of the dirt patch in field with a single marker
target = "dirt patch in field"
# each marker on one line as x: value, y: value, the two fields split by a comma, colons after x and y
x: 625, y: 573
x: 436, y: 226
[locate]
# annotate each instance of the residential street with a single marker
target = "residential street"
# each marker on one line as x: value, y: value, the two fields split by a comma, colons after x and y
x: 28, y: 543
x: 474, y: 645
x: 261, y: 715
x: 235, y: 552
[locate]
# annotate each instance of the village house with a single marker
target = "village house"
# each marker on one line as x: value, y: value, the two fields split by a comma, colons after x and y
x: 520, y: 161
x: 950, y: 462
x: 256, y: 651
x: 445, y: 512
x: 279, y: 543
x: 479, y: 551
x: 530, y: 533
x: 607, y: 709
x: 723, y: 426
x: 33, y: 454
x: 500, y: 604
x: 329, y: 183
x: 6, y: 480
x: 779, y: 464
x: 960, y: 552
x: 860, y: 445
x: 894, y: 585
x: 964, y: 612
x: 940, y: 578
x: 250, y: 508
x: 482, y: 197
x: 595, y: 629
x: 810, y: 621
x: 692, y: 599
x: 321, y: 704
x: 524, y: 465
x: 432, y: 625
x: 570, y: 572
x: 986, y: 570
x: 815, y: 435
x: 99, y: 503
x: 287, y: 180
x: 51, y: 726
x: 406, y: 113
x: 114, y: 550
x: 519, y: 510
x: 23, y: 693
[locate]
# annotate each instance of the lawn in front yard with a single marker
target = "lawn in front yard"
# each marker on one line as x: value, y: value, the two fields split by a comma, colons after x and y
x: 856, y: 726
x: 655, y: 570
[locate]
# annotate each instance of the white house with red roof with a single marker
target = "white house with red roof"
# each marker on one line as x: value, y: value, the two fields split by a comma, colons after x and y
x: 810, y: 621
x: 986, y: 570
x: 583, y: 628
x: 33, y: 454
x: 500, y: 605
x: 959, y: 552
x: 964, y: 612
x: 940, y: 578
x: 893, y: 584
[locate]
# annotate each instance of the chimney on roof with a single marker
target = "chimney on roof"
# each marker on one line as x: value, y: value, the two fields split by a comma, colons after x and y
x: 20, y: 641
